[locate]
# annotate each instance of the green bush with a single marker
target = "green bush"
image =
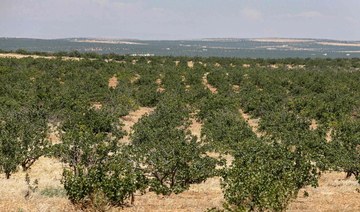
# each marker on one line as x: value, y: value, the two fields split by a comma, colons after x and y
x: 265, y: 177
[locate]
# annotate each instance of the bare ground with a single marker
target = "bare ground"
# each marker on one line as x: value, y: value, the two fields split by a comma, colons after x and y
x: 206, y: 84
x: 253, y: 123
x: 335, y: 193
x: 113, y: 82
x: 19, y: 56
x: 132, y: 119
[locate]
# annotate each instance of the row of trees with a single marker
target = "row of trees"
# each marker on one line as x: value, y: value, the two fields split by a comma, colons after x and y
x: 164, y: 157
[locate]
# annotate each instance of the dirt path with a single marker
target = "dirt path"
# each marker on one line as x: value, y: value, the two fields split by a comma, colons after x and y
x: 253, y: 123
x: 195, y: 128
x: 132, y: 119
x: 206, y: 84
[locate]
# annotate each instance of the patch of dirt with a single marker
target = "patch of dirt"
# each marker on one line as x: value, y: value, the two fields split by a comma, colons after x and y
x: 132, y: 119
x: 19, y: 56
x: 113, y: 82
x: 313, y: 125
x: 206, y: 84
x: 160, y: 89
x: 96, y: 105
x: 53, y: 134
x: 236, y: 88
x: 246, y: 65
x: 328, y: 135
x: 273, y: 66
x: 195, y: 128
x: 190, y: 64
x: 253, y: 123
x: 335, y: 193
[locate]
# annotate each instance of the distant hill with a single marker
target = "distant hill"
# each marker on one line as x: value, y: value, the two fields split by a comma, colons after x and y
x: 217, y: 47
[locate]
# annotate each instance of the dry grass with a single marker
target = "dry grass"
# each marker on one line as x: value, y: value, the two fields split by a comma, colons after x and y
x: 335, y: 193
x: 48, y: 172
x: 198, y: 198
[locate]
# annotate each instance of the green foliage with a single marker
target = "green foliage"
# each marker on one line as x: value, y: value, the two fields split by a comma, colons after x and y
x: 225, y: 130
x: 167, y: 152
x: 345, y: 148
x: 265, y: 177
x: 117, y: 179
x: 22, y: 139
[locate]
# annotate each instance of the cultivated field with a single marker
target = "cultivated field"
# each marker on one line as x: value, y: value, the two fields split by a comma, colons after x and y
x: 183, y: 127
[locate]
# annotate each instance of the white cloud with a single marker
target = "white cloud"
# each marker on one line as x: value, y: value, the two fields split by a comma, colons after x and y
x: 252, y: 14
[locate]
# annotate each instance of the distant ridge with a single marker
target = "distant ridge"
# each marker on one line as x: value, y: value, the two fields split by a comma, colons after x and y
x: 207, y: 47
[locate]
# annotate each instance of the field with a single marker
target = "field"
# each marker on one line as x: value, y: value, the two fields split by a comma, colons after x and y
x: 181, y: 133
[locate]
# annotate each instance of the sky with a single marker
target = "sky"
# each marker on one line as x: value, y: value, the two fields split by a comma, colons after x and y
x: 180, y: 19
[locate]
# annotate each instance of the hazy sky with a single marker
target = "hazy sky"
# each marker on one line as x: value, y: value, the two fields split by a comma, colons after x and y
x: 180, y: 19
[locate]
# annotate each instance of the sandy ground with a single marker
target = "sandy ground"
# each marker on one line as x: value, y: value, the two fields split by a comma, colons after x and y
x: 313, y: 125
x: 113, y: 82
x: 206, y: 84
x: 19, y: 56
x: 190, y: 64
x: 132, y: 119
x: 253, y: 123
